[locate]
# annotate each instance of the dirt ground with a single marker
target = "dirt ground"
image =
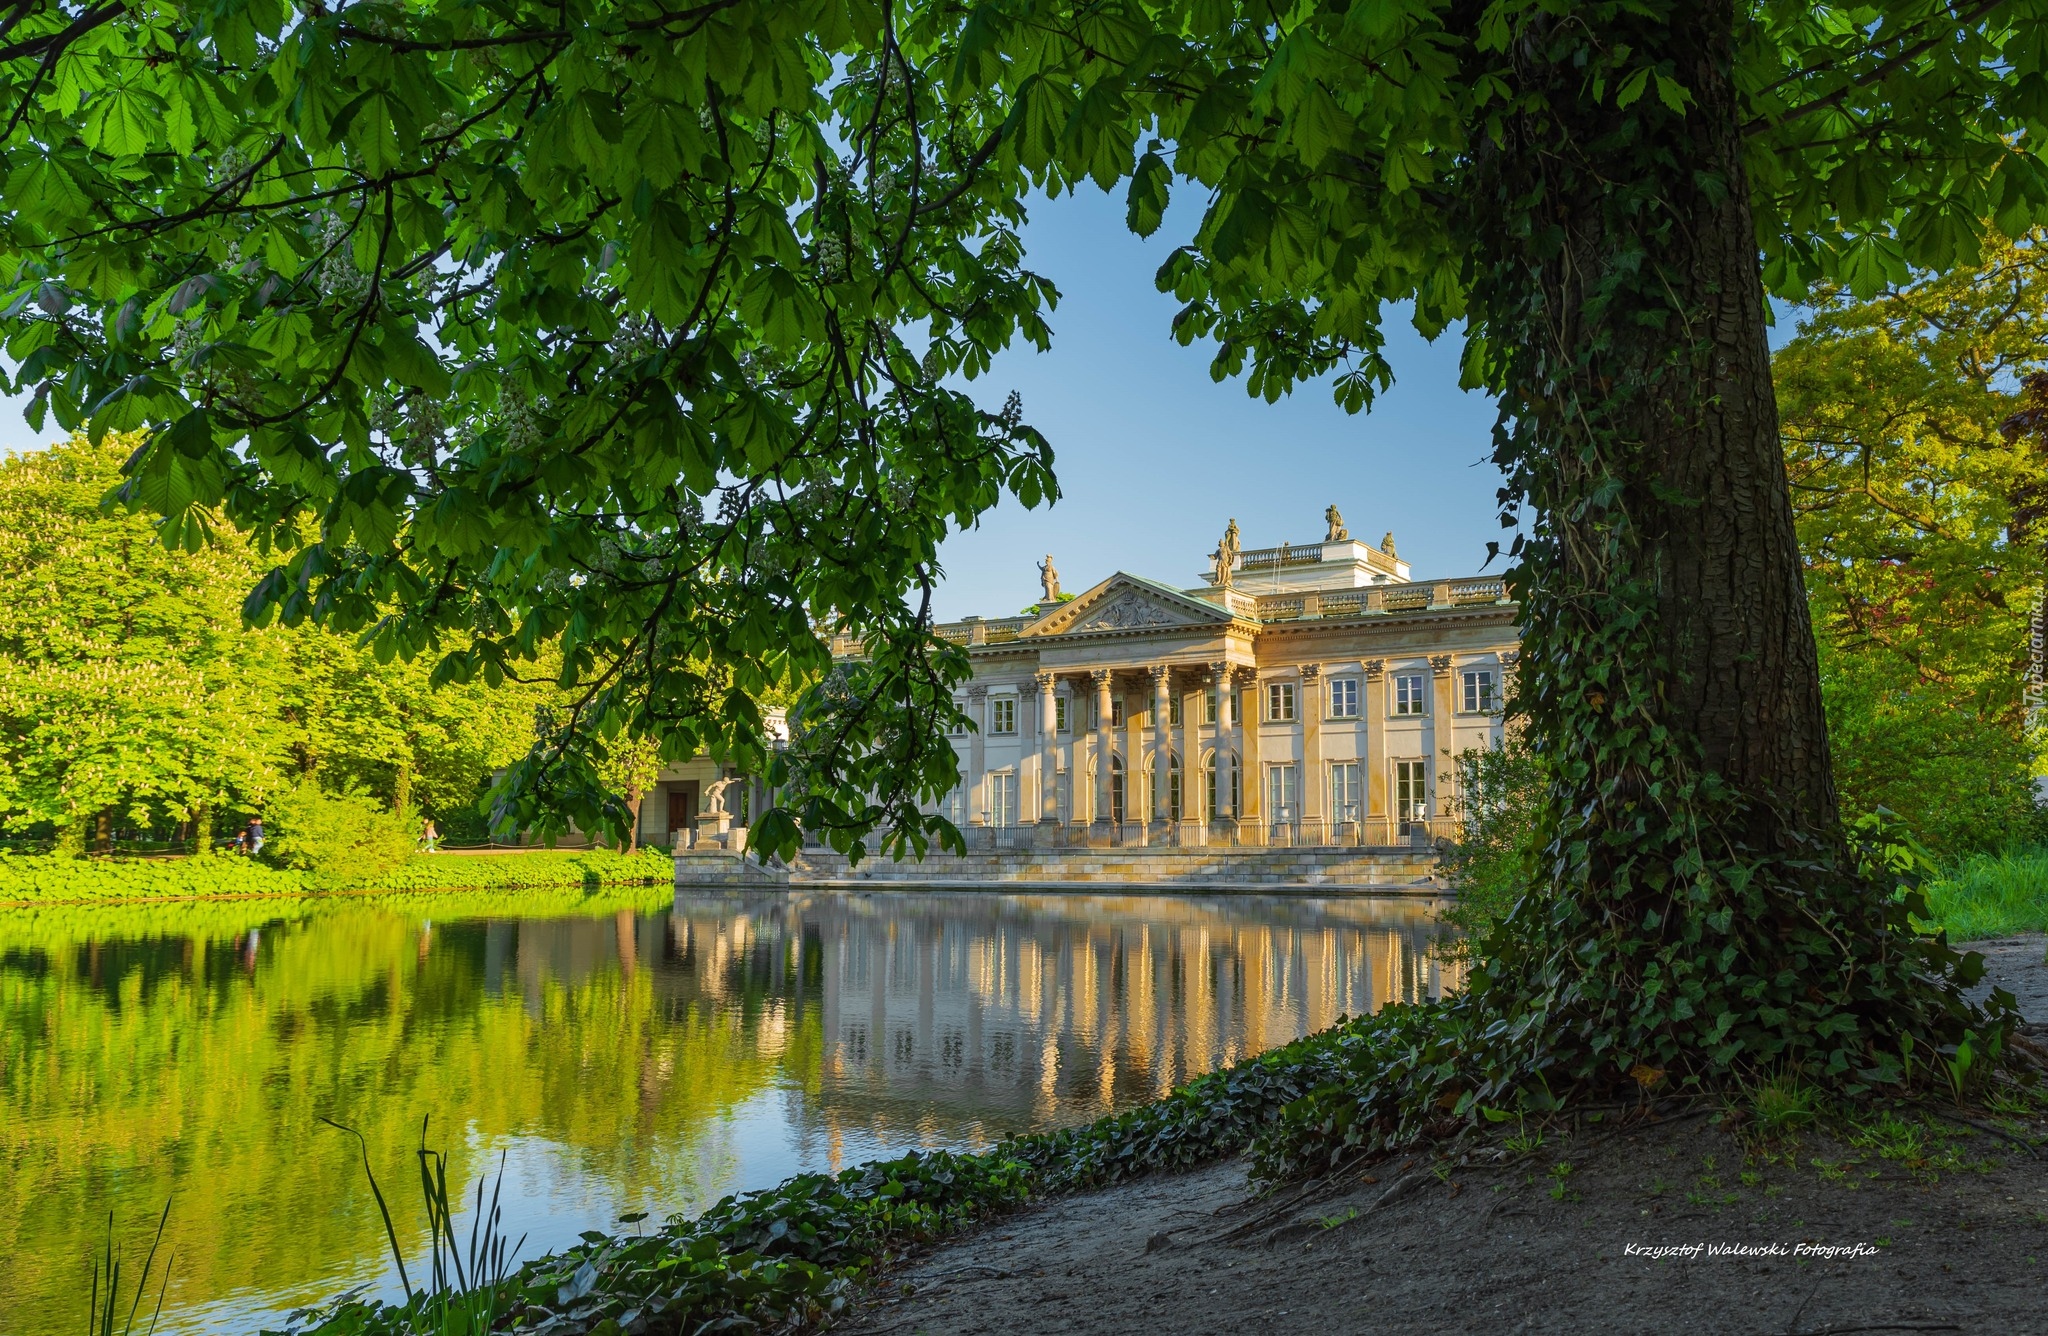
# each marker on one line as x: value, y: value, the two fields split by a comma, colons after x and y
x: 1933, y: 1226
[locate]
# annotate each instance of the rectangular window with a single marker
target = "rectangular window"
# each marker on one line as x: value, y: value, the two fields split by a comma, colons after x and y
x: 1173, y: 712
x: 1059, y: 714
x: 1002, y: 799
x: 1002, y: 715
x: 1411, y: 791
x: 1411, y: 694
x: 1209, y: 706
x: 1283, y: 784
x: 1116, y: 711
x: 1479, y: 691
x: 1280, y: 702
x: 958, y: 727
x: 1347, y: 799
x: 1343, y: 698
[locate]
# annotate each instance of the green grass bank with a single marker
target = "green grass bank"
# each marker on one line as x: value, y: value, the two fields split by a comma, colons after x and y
x: 1992, y: 895
x: 50, y: 880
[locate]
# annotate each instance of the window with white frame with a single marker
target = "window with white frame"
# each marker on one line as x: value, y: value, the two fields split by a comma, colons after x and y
x: 1059, y: 715
x: 1283, y: 788
x: 1209, y: 706
x: 1002, y: 798
x: 958, y: 727
x: 1116, y: 711
x: 1411, y: 790
x: 1479, y: 691
x: 1002, y: 714
x: 1347, y: 799
x: 1173, y: 711
x: 1411, y: 694
x: 1343, y: 698
x: 1280, y: 702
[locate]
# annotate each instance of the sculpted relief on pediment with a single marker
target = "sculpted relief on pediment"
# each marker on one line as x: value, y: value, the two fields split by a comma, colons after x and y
x: 1129, y: 613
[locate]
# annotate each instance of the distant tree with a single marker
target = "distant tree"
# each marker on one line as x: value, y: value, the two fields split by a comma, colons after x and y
x: 1918, y: 513
x: 126, y: 679
x: 629, y: 769
x: 129, y: 684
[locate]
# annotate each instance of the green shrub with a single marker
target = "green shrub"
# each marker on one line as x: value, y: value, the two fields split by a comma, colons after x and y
x: 1494, y: 859
x: 344, y: 840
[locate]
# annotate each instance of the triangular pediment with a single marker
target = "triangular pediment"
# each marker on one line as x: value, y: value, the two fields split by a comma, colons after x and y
x: 1126, y: 603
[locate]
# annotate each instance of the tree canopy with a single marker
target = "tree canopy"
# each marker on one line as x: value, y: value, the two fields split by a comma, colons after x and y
x: 1918, y: 512
x: 129, y: 685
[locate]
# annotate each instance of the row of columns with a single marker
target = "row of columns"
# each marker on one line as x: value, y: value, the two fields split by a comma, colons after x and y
x: 1238, y: 763
x: 1232, y: 739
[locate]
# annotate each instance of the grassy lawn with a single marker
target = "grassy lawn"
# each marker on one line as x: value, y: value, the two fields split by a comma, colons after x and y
x: 1992, y: 895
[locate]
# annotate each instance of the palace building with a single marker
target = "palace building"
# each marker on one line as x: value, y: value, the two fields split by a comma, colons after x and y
x: 1310, y: 694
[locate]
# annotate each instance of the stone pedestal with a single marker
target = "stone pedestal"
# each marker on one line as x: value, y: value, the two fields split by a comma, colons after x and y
x: 712, y: 829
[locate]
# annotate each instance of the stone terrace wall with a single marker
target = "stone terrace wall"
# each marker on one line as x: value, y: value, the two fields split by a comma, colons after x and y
x: 1163, y: 869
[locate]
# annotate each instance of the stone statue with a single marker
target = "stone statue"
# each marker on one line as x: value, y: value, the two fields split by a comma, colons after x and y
x: 1335, y: 519
x: 1387, y: 543
x: 1049, y: 579
x: 1225, y: 555
x: 714, y: 796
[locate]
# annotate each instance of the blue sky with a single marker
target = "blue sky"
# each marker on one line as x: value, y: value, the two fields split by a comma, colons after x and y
x: 1154, y: 457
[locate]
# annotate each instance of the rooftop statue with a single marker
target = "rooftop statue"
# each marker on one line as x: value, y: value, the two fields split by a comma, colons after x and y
x: 1225, y: 555
x: 1049, y: 579
x: 1387, y: 543
x: 1335, y: 519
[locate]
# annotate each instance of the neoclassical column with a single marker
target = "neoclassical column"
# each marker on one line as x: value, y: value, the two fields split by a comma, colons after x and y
x: 977, y: 756
x: 1193, y: 801
x: 1443, y: 728
x: 1226, y: 742
x: 1048, y: 749
x: 1162, y: 744
x: 1310, y: 711
x: 1251, y: 804
x: 1105, y: 743
x: 1375, y: 712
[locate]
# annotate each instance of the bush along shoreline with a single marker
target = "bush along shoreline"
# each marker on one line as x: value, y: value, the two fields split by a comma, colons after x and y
x: 52, y: 879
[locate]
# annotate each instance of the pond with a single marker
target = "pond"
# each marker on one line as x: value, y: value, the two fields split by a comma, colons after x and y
x: 630, y: 1052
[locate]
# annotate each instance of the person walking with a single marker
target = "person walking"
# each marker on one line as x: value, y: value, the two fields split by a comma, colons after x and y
x: 430, y: 838
x: 254, y: 836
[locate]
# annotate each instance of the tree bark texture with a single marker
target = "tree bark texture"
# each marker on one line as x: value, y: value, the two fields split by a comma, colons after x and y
x: 1664, y: 593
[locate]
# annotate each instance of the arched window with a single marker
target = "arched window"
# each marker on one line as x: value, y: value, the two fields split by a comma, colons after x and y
x: 1172, y: 787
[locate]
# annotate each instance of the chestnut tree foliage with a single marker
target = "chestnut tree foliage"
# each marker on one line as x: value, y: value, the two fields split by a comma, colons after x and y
x: 636, y: 327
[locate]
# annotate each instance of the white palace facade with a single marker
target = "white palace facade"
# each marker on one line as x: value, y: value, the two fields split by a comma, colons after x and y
x: 1308, y: 694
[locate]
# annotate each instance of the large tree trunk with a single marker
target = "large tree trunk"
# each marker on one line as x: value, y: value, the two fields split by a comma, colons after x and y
x: 1665, y: 595
x: 1698, y: 906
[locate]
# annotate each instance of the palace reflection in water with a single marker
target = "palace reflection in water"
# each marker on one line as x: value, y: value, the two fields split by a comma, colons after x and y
x: 650, y: 1060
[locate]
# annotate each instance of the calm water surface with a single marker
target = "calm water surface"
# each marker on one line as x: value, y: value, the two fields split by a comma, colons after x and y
x: 652, y: 1057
